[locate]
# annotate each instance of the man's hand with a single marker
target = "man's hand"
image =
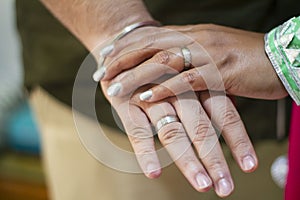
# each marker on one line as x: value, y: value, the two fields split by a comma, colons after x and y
x: 206, y: 166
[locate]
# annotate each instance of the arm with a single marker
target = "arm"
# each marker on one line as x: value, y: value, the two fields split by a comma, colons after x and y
x: 94, y: 21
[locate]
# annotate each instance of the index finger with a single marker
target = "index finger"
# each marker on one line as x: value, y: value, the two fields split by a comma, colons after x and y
x: 129, y: 52
x: 206, y: 77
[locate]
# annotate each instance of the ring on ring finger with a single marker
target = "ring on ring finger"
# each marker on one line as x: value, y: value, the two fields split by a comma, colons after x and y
x: 165, y: 120
x: 187, y: 58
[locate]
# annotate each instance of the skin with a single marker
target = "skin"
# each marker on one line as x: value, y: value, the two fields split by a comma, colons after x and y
x: 93, y: 22
x: 233, y: 132
x: 228, y: 60
x: 195, y: 127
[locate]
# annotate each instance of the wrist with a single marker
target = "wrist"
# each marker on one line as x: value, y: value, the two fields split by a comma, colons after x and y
x: 112, y: 27
x: 93, y: 22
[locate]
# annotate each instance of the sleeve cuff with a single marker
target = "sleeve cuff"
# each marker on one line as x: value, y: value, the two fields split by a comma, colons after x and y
x: 282, y: 45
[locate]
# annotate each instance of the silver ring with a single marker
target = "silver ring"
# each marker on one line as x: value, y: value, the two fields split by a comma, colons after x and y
x: 187, y: 57
x: 166, y: 120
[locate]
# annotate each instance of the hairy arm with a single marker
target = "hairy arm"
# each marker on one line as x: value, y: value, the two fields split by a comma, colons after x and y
x: 93, y: 21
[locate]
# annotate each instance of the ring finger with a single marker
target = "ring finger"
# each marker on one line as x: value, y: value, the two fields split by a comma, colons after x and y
x: 174, y: 138
x: 205, y: 140
x: 171, y: 61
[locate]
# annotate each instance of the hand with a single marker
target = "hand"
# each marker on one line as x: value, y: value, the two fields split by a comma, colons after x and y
x: 223, y: 59
x: 197, y: 126
x: 194, y: 126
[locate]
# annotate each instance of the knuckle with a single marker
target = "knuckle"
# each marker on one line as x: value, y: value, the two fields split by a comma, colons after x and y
x: 214, y: 163
x: 190, y: 162
x: 138, y: 136
x: 162, y: 57
x: 240, y: 144
x: 171, y: 135
x: 203, y: 131
x: 231, y: 118
x: 144, y: 153
x: 189, y: 76
x: 127, y: 78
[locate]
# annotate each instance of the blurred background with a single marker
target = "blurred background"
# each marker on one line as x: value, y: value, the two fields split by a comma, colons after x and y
x: 21, y: 174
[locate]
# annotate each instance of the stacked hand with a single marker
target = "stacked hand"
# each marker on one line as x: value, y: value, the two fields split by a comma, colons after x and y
x: 222, y: 60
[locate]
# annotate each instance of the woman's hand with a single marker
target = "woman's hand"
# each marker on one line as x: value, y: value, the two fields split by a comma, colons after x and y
x: 222, y: 59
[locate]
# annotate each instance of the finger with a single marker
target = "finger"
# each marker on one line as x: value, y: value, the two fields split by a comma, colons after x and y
x: 112, y: 51
x: 206, y: 77
x: 127, y: 57
x: 157, y: 38
x: 140, y: 135
x: 173, y: 137
x: 128, y: 60
x: 205, y: 140
x: 227, y: 120
x: 164, y: 62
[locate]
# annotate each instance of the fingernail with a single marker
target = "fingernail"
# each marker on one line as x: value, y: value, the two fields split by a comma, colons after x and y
x: 106, y: 50
x: 202, y: 181
x: 225, y: 187
x: 248, y: 163
x: 101, y: 61
x: 99, y: 74
x: 114, y: 89
x: 152, y: 170
x: 146, y: 95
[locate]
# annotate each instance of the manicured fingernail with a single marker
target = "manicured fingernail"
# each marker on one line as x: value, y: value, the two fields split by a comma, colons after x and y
x: 99, y: 74
x: 202, y: 181
x: 225, y: 187
x: 106, y: 50
x: 248, y: 163
x: 146, y: 95
x: 101, y: 61
x: 114, y: 89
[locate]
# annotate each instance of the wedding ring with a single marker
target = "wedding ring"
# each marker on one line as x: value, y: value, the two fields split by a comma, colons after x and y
x: 166, y: 120
x: 187, y: 57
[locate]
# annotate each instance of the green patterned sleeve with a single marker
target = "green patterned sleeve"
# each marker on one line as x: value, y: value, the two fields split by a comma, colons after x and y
x: 282, y: 45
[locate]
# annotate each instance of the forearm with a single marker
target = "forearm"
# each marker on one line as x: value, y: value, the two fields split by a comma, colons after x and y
x: 93, y: 21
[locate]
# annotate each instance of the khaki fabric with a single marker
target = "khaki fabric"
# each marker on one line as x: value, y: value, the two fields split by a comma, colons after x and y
x: 73, y: 174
